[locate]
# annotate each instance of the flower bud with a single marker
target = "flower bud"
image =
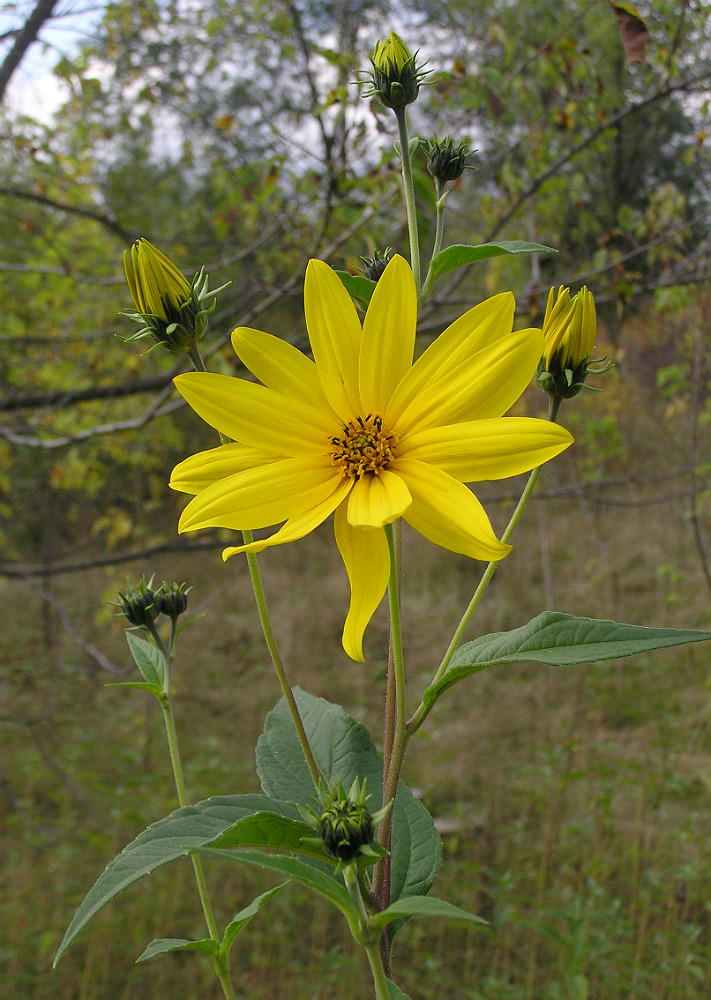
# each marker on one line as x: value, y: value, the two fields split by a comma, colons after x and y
x: 171, y: 310
x: 569, y: 331
x: 172, y: 599
x: 445, y: 161
x: 139, y: 604
x: 375, y: 265
x: 344, y: 823
x: 395, y: 75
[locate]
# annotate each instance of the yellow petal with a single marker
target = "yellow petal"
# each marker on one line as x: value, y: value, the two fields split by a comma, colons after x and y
x: 388, y: 335
x: 377, y: 500
x: 487, y: 449
x: 366, y: 556
x: 296, y: 527
x: 447, y: 513
x: 476, y: 329
x: 202, y: 470
x: 261, y: 496
x: 255, y: 415
x: 335, y: 333
x: 486, y: 385
x: 279, y: 365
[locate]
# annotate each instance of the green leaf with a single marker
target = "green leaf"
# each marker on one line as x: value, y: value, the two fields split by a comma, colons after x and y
x: 358, y: 287
x: 162, y: 946
x: 299, y: 871
x: 460, y: 254
x: 395, y: 993
x: 272, y: 832
x: 559, y: 640
x: 155, y: 689
x: 244, y: 916
x: 148, y: 659
x: 173, y: 837
x: 343, y: 751
x: 421, y: 906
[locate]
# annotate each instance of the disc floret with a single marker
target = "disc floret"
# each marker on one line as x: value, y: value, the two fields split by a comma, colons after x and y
x: 365, y: 447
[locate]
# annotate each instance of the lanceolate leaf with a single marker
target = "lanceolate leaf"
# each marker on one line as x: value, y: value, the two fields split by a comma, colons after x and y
x: 173, y: 837
x: 161, y: 946
x: 313, y: 878
x: 344, y: 750
x: 421, y: 906
x: 241, y: 919
x: 148, y: 659
x: 273, y: 832
x: 460, y: 254
x: 395, y: 993
x: 559, y: 640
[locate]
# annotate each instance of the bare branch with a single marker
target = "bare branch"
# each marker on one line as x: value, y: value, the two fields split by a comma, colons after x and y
x: 570, y: 154
x: 86, y: 213
x: 87, y: 646
x: 24, y: 38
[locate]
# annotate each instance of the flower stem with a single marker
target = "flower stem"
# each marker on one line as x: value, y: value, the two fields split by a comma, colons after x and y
x: 439, y: 233
x: 376, y: 967
x: 273, y: 648
x: 267, y: 630
x: 423, y: 710
x: 409, y: 191
x: 365, y: 937
x: 166, y: 704
x: 396, y: 740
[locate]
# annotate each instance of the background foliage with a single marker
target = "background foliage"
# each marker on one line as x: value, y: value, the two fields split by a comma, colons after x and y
x: 232, y: 135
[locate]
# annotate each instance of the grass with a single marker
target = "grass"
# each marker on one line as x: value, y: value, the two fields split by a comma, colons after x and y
x: 573, y: 804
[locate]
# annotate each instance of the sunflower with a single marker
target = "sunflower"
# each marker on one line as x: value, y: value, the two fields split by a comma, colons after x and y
x: 364, y: 434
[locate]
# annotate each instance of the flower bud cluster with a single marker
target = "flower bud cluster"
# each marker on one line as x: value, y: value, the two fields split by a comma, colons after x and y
x: 142, y: 603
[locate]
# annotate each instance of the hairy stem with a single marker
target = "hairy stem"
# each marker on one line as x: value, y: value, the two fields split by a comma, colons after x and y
x: 439, y: 233
x: 265, y: 621
x: 396, y: 740
x: 423, y: 710
x: 409, y: 192
x: 273, y: 648
x: 166, y: 703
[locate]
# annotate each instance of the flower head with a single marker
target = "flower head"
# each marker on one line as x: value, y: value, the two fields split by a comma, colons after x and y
x: 375, y: 266
x: 569, y: 331
x: 172, y: 599
x: 364, y: 434
x: 445, y: 161
x: 139, y: 603
x: 171, y: 310
x: 395, y: 77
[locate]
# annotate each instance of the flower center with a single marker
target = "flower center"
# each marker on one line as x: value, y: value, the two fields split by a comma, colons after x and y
x: 364, y: 448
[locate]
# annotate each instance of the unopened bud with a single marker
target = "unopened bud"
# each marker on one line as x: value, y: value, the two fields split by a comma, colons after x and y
x: 375, y: 265
x: 445, y: 161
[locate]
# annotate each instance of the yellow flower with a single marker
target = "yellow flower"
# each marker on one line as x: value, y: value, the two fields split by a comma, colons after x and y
x: 154, y: 281
x: 364, y: 434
